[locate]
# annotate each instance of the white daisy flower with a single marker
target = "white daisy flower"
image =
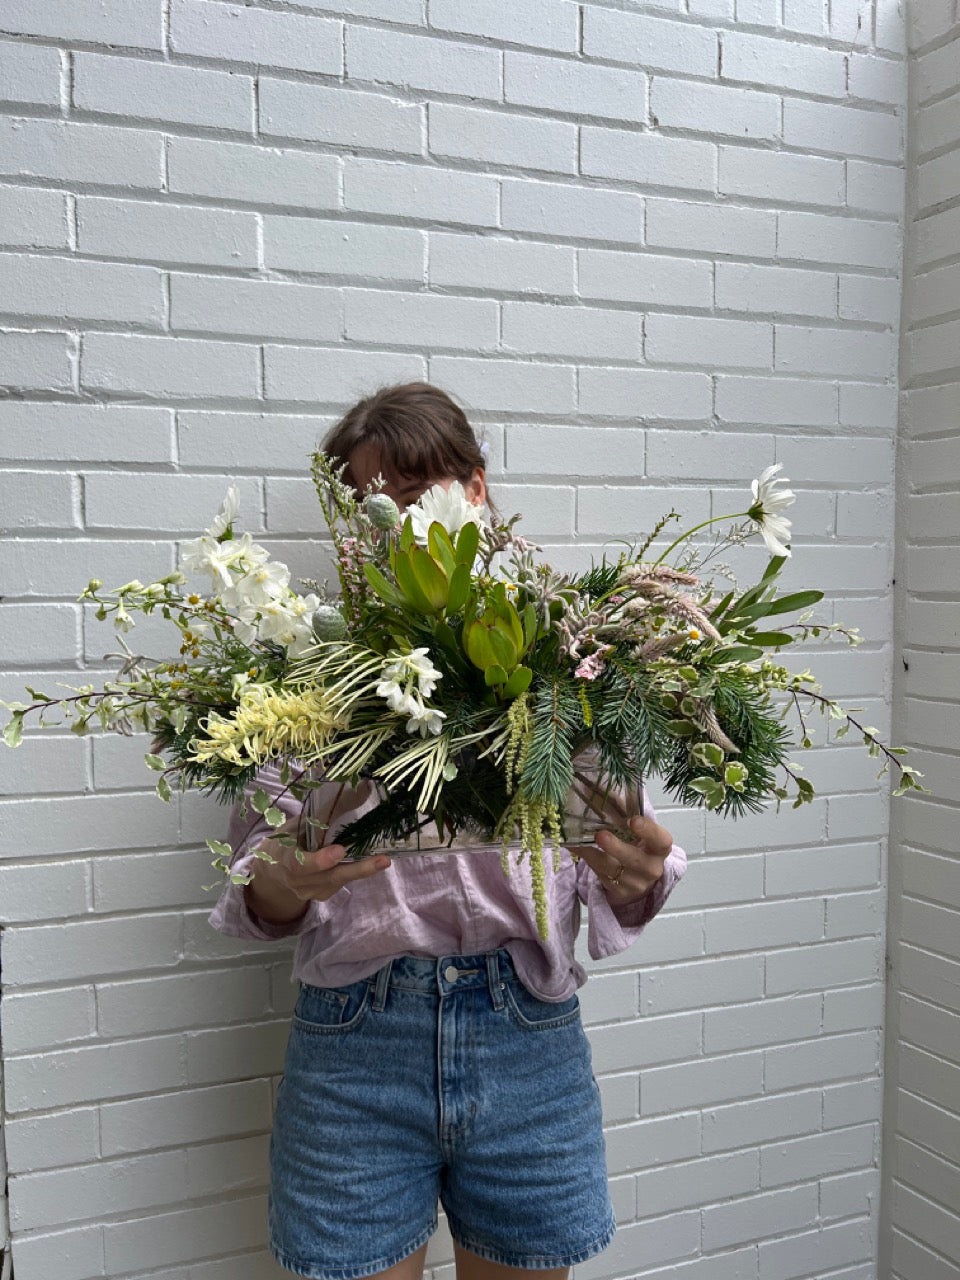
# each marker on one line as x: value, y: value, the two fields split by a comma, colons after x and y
x: 768, y: 503
x: 450, y: 507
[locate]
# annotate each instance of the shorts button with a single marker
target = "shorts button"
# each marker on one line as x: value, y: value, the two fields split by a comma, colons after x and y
x: 451, y: 973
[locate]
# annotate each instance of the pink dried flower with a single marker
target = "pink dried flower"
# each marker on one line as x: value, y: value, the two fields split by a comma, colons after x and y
x: 593, y: 664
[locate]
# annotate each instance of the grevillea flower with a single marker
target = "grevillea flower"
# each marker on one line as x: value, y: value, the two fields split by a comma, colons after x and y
x: 267, y: 724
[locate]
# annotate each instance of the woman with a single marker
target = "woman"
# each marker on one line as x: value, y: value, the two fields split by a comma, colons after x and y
x: 436, y: 1050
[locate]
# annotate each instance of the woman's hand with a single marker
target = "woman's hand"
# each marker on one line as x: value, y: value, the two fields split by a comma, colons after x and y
x: 280, y: 891
x: 641, y: 859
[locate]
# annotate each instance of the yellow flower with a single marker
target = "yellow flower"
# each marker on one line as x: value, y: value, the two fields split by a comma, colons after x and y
x: 693, y: 633
x: 267, y: 724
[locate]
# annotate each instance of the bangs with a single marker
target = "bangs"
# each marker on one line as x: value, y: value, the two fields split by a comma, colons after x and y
x: 417, y: 451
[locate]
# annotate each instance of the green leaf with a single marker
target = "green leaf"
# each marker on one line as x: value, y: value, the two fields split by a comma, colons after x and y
x: 712, y: 791
x: 410, y: 586
x: 459, y: 588
x: 260, y: 800
x: 431, y: 579
x: 220, y: 848
x: 529, y: 626
x: 495, y: 674
x: 13, y: 730
x: 518, y: 682
x: 708, y: 753
x: 770, y: 639
x: 735, y: 775
x: 504, y: 650
x: 163, y: 789
x: 155, y: 762
x: 683, y: 728
x: 468, y: 541
x: 383, y: 586
x: 722, y: 606
x: 739, y: 653
x: 799, y: 600
x: 406, y: 535
x: 773, y: 568
x: 477, y: 644
x: 241, y: 877
x: 274, y: 817
x: 440, y: 547
x: 37, y: 695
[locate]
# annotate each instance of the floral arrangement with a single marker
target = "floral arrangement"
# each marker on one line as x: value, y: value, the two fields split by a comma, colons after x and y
x: 483, y: 693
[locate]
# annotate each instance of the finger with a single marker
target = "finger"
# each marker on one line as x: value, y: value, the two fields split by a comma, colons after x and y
x: 361, y: 869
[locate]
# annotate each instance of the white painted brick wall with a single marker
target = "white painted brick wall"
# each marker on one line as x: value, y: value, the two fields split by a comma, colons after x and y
x: 920, y: 1219
x: 651, y: 250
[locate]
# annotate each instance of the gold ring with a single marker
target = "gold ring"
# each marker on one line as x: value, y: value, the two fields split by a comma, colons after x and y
x: 616, y: 879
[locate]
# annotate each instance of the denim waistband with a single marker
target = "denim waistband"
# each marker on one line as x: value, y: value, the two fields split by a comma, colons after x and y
x: 444, y: 975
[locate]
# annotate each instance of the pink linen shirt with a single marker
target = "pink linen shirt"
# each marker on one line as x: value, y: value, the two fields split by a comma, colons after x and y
x: 438, y: 903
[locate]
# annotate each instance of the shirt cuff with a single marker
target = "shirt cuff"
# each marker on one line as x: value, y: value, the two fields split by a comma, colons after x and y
x: 611, y: 927
x: 232, y: 915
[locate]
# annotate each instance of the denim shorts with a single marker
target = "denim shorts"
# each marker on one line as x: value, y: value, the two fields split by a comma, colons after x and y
x: 436, y: 1078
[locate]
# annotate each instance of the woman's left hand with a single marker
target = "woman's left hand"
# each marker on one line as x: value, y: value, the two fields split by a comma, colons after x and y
x: 641, y: 858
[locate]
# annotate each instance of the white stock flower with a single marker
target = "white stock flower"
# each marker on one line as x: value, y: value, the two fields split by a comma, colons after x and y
x: 450, y: 507
x: 227, y: 513
x: 768, y: 503
x: 426, y: 719
x: 222, y: 560
x: 260, y: 586
x: 400, y: 672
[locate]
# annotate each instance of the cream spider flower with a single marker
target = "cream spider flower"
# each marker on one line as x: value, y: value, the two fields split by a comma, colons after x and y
x: 768, y: 502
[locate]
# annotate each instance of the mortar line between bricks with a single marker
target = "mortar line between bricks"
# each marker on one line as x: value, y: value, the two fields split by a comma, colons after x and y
x: 573, y: 416
x: 330, y: 280
x: 699, y: 197
x: 709, y: 23
x: 403, y: 92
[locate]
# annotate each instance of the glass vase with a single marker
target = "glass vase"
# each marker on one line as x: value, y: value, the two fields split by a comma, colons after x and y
x: 590, y: 804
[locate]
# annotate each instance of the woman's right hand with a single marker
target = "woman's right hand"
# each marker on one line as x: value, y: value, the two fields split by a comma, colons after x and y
x: 280, y: 891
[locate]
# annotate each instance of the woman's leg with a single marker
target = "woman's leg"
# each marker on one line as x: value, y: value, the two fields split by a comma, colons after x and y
x: 470, y: 1267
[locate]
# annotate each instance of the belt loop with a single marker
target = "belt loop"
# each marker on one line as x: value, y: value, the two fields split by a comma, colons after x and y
x: 380, y: 990
x: 493, y: 978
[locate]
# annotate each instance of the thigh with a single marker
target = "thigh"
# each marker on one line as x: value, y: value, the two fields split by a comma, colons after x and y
x: 354, y: 1163
x: 527, y: 1186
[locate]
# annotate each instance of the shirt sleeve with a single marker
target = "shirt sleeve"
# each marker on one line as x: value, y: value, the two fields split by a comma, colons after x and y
x: 612, y: 928
x: 232, y: 915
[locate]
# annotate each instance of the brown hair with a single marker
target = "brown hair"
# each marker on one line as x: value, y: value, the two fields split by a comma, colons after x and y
x: 415, y: 425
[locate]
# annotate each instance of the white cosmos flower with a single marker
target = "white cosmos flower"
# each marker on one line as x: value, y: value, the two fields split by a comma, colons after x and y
x: 227, y: 513
x: 768, y: 503
x: 450, y: 507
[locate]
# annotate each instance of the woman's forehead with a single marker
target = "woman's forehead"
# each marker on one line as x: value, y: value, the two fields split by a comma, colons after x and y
x: 366, y: 461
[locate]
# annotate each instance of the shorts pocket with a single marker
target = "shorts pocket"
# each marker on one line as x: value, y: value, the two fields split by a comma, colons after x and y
x: 535, y: 1014
x: 331, y: 1010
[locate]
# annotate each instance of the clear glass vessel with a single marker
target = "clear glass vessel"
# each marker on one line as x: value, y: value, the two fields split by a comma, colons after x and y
x: 589, y: 805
